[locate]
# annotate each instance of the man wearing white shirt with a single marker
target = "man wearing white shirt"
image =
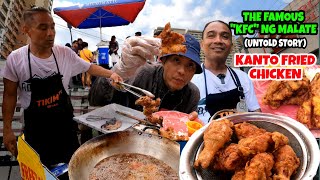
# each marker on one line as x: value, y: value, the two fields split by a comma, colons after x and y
x: 220, y: 86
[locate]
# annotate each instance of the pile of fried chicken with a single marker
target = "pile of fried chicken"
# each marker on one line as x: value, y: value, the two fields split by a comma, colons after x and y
x: 297, y: 92
x: 257, y: 155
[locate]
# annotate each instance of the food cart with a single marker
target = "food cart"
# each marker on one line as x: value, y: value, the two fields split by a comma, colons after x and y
x: 134, y: 140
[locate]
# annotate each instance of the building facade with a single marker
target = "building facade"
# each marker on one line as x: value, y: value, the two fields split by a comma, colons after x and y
x: 11, y: 12
x: 198, y: 35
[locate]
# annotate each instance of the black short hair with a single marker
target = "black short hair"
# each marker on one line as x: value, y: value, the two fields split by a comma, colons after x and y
x: 213, y: 22
x: 84, y: 44
x: 137, y: 33
x: 28, y: 14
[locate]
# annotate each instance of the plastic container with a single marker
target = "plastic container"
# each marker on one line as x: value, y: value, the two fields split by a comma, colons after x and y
x: 103, y: 55
x: 193, y: 126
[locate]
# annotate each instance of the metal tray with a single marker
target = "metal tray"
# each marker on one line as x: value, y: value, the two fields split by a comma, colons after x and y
x: 300, y: 139
x: 109, y: 111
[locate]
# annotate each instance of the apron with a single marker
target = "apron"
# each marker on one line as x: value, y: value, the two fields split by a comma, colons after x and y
x: 49, y: 127
x: 224, y: 100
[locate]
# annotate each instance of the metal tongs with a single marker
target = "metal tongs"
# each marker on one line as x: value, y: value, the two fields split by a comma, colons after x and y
x: 93, y: 118
x: 128, y: 86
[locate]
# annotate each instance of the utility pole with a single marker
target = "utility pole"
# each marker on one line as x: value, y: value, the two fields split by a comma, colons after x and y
x: 69, y: 26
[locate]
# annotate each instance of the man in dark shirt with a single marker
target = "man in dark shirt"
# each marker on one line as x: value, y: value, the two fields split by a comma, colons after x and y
x: 168, y: 80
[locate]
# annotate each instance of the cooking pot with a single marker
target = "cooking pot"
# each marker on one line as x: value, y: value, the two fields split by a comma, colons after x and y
x: 300, y: 139
x: 130, y: 141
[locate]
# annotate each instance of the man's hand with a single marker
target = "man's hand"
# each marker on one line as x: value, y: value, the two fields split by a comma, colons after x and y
x: 145, y: 47
x: 10, y: 142
x: 115, y: 80
x: 135, y: 52
x: 193, y: 116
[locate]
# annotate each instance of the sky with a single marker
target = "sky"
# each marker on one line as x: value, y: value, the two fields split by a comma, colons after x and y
x: 185, y: 14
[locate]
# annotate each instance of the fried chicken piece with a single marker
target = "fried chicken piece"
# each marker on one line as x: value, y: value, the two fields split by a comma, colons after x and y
x: 294, y: 85
x: 315, y: 100
x: 244, y: 130
x: 171, y: 42
x: 309, y: 112
x: 272, y: 88
x: 239, y: 175
x: 255, y: 144
x: 280, y: 90
x: 150, y: 110
x: 301, y: 94
x: 286, y: 92
x: 229, y: 159
x: 259, y: 167
x: 155, y: 119
x: 283, y: 93
x: 299, y: 89
x: 274, y: 104
x: 170, y: 134
x: 297, y: 99
x: 286, y: 163
x: 304, y: 113
x: 215, y: 137
x: 279, y: 140
x: 150, y: 106
x: 144, y: 101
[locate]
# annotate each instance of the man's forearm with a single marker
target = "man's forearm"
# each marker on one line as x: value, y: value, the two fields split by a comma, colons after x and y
x: 96, y: 70
x: 9, y: 102
x: 8, y: 107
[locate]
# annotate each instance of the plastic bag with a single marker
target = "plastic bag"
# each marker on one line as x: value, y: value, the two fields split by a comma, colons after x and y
x: 135, y: 52
x: 115, y: 58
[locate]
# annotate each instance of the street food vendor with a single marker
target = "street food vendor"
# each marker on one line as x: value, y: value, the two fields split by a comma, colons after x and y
x: 168, y: 80
x: 39, y: 74
x: 220, y: 86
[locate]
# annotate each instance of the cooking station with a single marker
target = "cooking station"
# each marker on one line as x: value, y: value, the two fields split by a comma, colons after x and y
x: 131, y: 140
x: 122, y: 141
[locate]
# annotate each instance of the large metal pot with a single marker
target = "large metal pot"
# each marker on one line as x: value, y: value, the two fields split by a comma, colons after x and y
x: 130, y: 141
x: 300, y: 139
